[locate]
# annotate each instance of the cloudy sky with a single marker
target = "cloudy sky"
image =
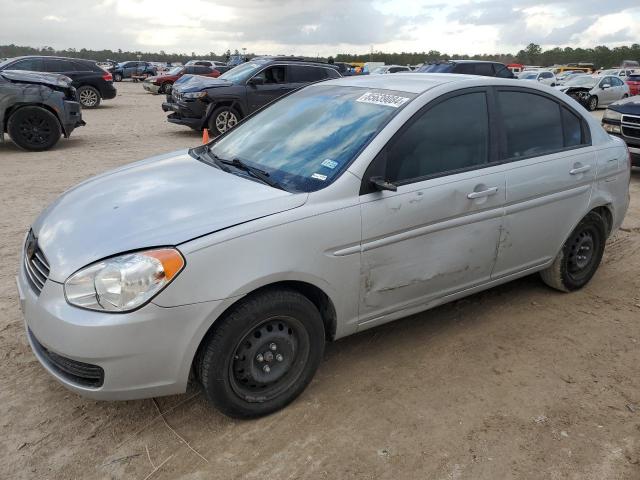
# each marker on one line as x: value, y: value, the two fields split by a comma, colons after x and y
x: 325, y: 27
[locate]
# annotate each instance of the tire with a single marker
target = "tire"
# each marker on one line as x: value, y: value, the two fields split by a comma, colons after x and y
x: 34, y: 128
x: 262, y: 354
x: 625, y: 96
x: 89, y: 97
x: 580, y: 256
x: 592, y: 104
x: 165, y: 88
x: 117, y: 77
x: 223, y: 119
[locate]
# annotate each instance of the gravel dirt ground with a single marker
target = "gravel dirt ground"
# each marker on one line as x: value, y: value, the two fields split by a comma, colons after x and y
x: 517, y: 382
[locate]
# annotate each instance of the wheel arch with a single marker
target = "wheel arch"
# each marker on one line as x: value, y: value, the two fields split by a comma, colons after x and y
x: 14, y: 108
x: 312, y: 292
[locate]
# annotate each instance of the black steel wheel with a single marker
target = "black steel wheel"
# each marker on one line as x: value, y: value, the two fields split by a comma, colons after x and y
x: 261, y: 354
x: 34, y: 128
x: 580, y: 256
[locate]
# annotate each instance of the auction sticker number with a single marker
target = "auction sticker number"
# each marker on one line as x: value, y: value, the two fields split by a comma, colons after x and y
x: 385, y: 99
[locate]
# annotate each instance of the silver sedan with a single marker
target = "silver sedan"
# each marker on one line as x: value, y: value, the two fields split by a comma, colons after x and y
x: 595, y: 91
x: 345, y: 205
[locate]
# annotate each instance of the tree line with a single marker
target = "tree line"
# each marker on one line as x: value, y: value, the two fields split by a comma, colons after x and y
x: 600, y: 56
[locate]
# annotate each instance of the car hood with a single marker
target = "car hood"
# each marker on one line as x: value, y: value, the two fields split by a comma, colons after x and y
x: 49, y: 79
x: 162, y: 201
x: 195, y: 83
x: 629, y: 105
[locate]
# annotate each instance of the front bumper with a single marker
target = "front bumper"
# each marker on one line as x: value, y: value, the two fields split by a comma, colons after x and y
x: 71, y: 117
x: 142, y: 354
x: 622, y: 131
x: 190, y: 113
x: 151, y: 87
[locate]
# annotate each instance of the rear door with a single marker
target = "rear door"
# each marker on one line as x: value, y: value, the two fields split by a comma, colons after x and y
x: 437, y: 233
x: 549, y: 180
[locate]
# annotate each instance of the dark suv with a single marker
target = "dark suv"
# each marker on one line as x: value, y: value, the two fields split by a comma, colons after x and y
x: 37, y: 108
x: 468, y: 67
x: 220, y: 103
x: 133, y: 69
x: 92, y: 83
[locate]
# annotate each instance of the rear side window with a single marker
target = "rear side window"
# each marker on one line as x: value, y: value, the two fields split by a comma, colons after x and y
x: 451, y: 136
x: 332, y: 73
x: 536, y: 125
x: 304, y: 74
x: 57, y: 65
x: 465, y: 68
x: 484, y: 69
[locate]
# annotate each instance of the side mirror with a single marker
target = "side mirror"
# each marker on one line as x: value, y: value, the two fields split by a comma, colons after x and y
x: 604, y: 87
x: 381, y: 184
x: 256, y: 81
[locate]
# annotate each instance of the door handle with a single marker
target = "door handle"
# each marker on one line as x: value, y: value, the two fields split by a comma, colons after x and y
x: 484, y: 193
x: 579, y: 170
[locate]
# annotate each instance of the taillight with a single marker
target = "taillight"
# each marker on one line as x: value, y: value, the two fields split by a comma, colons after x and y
x: 106, y: 76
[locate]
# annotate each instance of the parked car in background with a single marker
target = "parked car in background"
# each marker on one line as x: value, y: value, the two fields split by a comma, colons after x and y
x: 207, y: 63
x: 219, y: 104
x: 133, y: 69
x: 633, y: 82
x: 37, y: 108
x: 345, y: 69
x: 619, y: 72
x: 543, y: 76
x: 92, y: 83
x: 235, y: 262
x: 468, y: 67
x: 595, y: 91
x: 164, y: 83
x: 566, y: 76
x: 622, y: 119
x: 390, y: 69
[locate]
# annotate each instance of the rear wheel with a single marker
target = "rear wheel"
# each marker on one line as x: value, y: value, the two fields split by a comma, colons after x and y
x: 592, y: 104
x: 34, y: 128
x: 580, y: 256
x: 262, y: 354
x: 88, y: 96
x: 117, y: 77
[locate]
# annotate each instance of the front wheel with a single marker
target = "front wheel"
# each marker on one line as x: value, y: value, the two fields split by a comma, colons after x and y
x: 89, y: 97
x: 34, y: 128
x: 165, y: 88
x: 223, y: 119
x: 262, y: 354
x: 592, y: 104
x: 580, y: 256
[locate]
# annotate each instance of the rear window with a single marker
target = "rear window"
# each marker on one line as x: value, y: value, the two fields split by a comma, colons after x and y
x: 634, y: 78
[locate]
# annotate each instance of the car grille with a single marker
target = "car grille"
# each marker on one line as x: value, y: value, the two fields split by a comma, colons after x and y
x: 80, y: 373
x: 35, y: 264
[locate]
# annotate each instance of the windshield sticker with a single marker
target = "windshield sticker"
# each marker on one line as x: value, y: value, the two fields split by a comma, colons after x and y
x: 329, y: 164
x: 385, y: 99
x: 319, y: 176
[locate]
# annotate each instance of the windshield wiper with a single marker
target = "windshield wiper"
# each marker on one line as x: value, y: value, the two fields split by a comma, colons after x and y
x: 253, y: 171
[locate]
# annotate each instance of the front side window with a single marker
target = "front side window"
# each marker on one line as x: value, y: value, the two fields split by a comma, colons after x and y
x: 533, y: 125
x: 451, y: 136
x: 304, y: 141
x: 30, y: 64
x: 272, y: 75
x: 606, y: 82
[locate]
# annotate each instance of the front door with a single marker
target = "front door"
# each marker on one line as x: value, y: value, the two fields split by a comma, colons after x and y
x: 438, y: 233
x: 549, y: 181
x: 271, y: 84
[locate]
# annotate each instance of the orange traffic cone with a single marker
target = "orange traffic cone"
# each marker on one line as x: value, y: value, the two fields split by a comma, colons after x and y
x: 205, y: 136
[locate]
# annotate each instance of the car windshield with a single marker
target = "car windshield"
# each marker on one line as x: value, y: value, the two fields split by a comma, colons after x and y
x: 582, y: 81
x: 379, y: 70
x: 244, y: 71
x: 305, y: 140
x: 175, y: 71
x: 6, y: 62
x: 609, y: 72
x: 436, y: 68
x: 528, y: 76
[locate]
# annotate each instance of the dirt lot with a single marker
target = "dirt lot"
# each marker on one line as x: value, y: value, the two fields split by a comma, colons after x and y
x: 517, y: 382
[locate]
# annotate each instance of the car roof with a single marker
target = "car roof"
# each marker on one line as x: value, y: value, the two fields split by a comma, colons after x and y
x: 408, y: 82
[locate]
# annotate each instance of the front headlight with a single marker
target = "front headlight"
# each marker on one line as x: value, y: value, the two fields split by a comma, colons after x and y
x: 125, y: 282
x: 194, y: 95
x: 612, y: 115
